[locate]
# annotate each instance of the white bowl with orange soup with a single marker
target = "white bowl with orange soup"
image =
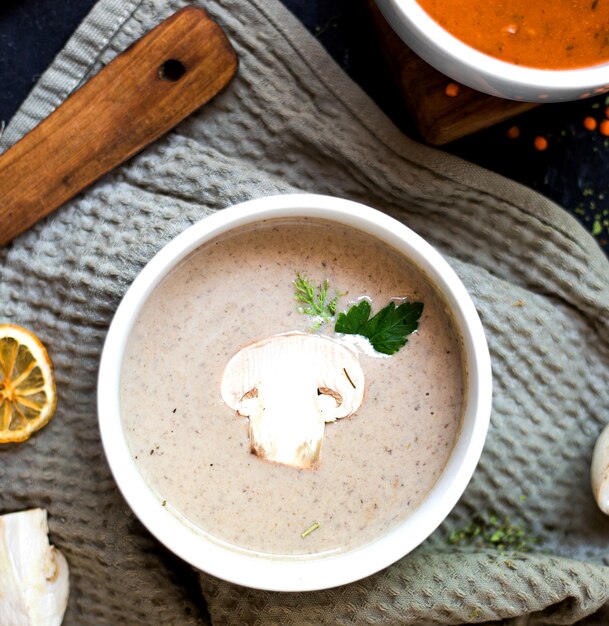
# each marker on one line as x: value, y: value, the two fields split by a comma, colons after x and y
x: 516, y: 49
x: 215, y: 378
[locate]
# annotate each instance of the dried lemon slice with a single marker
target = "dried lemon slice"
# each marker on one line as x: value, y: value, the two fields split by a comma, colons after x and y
x: 27, y: 387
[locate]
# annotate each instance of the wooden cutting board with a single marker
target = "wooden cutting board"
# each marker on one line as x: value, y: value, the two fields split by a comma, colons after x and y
x: 440, y: 118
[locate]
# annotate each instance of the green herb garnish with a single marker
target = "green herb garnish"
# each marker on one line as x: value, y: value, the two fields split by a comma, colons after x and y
x: 315, y: 301
x: 388, y: 330
x: 490, y: 531
x: 309, y: 530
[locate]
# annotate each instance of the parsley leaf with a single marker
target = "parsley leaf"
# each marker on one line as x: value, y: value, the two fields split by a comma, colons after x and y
x: 388, y: 330
x: 354, y: 319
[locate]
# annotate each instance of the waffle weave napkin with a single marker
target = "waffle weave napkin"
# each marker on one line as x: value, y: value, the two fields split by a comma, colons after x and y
x: 292, y: 121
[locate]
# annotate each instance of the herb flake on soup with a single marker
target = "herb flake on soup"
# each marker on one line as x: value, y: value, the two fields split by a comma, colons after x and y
x: 292, y: 415
x: 562, y: 34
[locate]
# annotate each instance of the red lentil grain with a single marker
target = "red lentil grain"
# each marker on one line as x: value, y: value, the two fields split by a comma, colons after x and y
x: 452, y: 90
x: 513, y: 132
x: 540, y: 143
x: 589, y: 123
x: 604, y: 128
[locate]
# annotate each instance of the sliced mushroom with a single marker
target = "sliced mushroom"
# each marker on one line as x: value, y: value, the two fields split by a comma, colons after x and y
x: 599, y: 472
x: 289, y: 386
x: 34, y: 574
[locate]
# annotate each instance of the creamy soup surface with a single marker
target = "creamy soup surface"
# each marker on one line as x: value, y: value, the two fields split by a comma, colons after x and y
x: 193, y: 450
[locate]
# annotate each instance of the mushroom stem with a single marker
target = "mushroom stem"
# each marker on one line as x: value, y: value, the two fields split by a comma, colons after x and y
x: 286, y: 432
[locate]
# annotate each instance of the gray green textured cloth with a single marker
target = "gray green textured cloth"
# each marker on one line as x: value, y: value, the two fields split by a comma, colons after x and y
x: 291, y: 120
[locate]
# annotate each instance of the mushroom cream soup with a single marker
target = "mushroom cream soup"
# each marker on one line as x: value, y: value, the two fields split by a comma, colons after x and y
x: 220, y: 354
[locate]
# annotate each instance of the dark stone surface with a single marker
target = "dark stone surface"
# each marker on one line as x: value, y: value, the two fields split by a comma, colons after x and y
x: 32, y: 32
x: 572, y: 171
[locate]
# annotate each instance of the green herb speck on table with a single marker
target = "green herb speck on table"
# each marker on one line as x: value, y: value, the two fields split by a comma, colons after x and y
x: 491, y: 531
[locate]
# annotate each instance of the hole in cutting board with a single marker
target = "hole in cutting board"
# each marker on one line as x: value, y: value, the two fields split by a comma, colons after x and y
x: 172, y: 70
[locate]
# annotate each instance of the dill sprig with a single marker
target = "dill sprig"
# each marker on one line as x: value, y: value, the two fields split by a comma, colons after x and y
x: 315, y: 300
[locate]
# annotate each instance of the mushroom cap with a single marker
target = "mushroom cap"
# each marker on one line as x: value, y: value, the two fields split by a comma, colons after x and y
x: 306, y: 360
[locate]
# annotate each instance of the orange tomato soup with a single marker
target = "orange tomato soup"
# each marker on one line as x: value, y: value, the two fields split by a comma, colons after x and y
x: 557, y: 34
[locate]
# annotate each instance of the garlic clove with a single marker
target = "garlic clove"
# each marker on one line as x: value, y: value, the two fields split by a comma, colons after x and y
x: 34, y: 574
x: 599, y: 471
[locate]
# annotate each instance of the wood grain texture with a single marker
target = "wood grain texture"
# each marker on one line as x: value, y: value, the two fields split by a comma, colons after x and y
x: 439, y: 118
x: 139, y: 96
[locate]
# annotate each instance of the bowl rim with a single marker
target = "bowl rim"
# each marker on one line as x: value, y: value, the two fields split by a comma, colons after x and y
x: 586, y: 78
x: 301, y: 573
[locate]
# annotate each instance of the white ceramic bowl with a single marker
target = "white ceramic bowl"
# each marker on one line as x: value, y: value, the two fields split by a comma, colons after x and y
x: 478, y: 70
x: 298, y: 573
